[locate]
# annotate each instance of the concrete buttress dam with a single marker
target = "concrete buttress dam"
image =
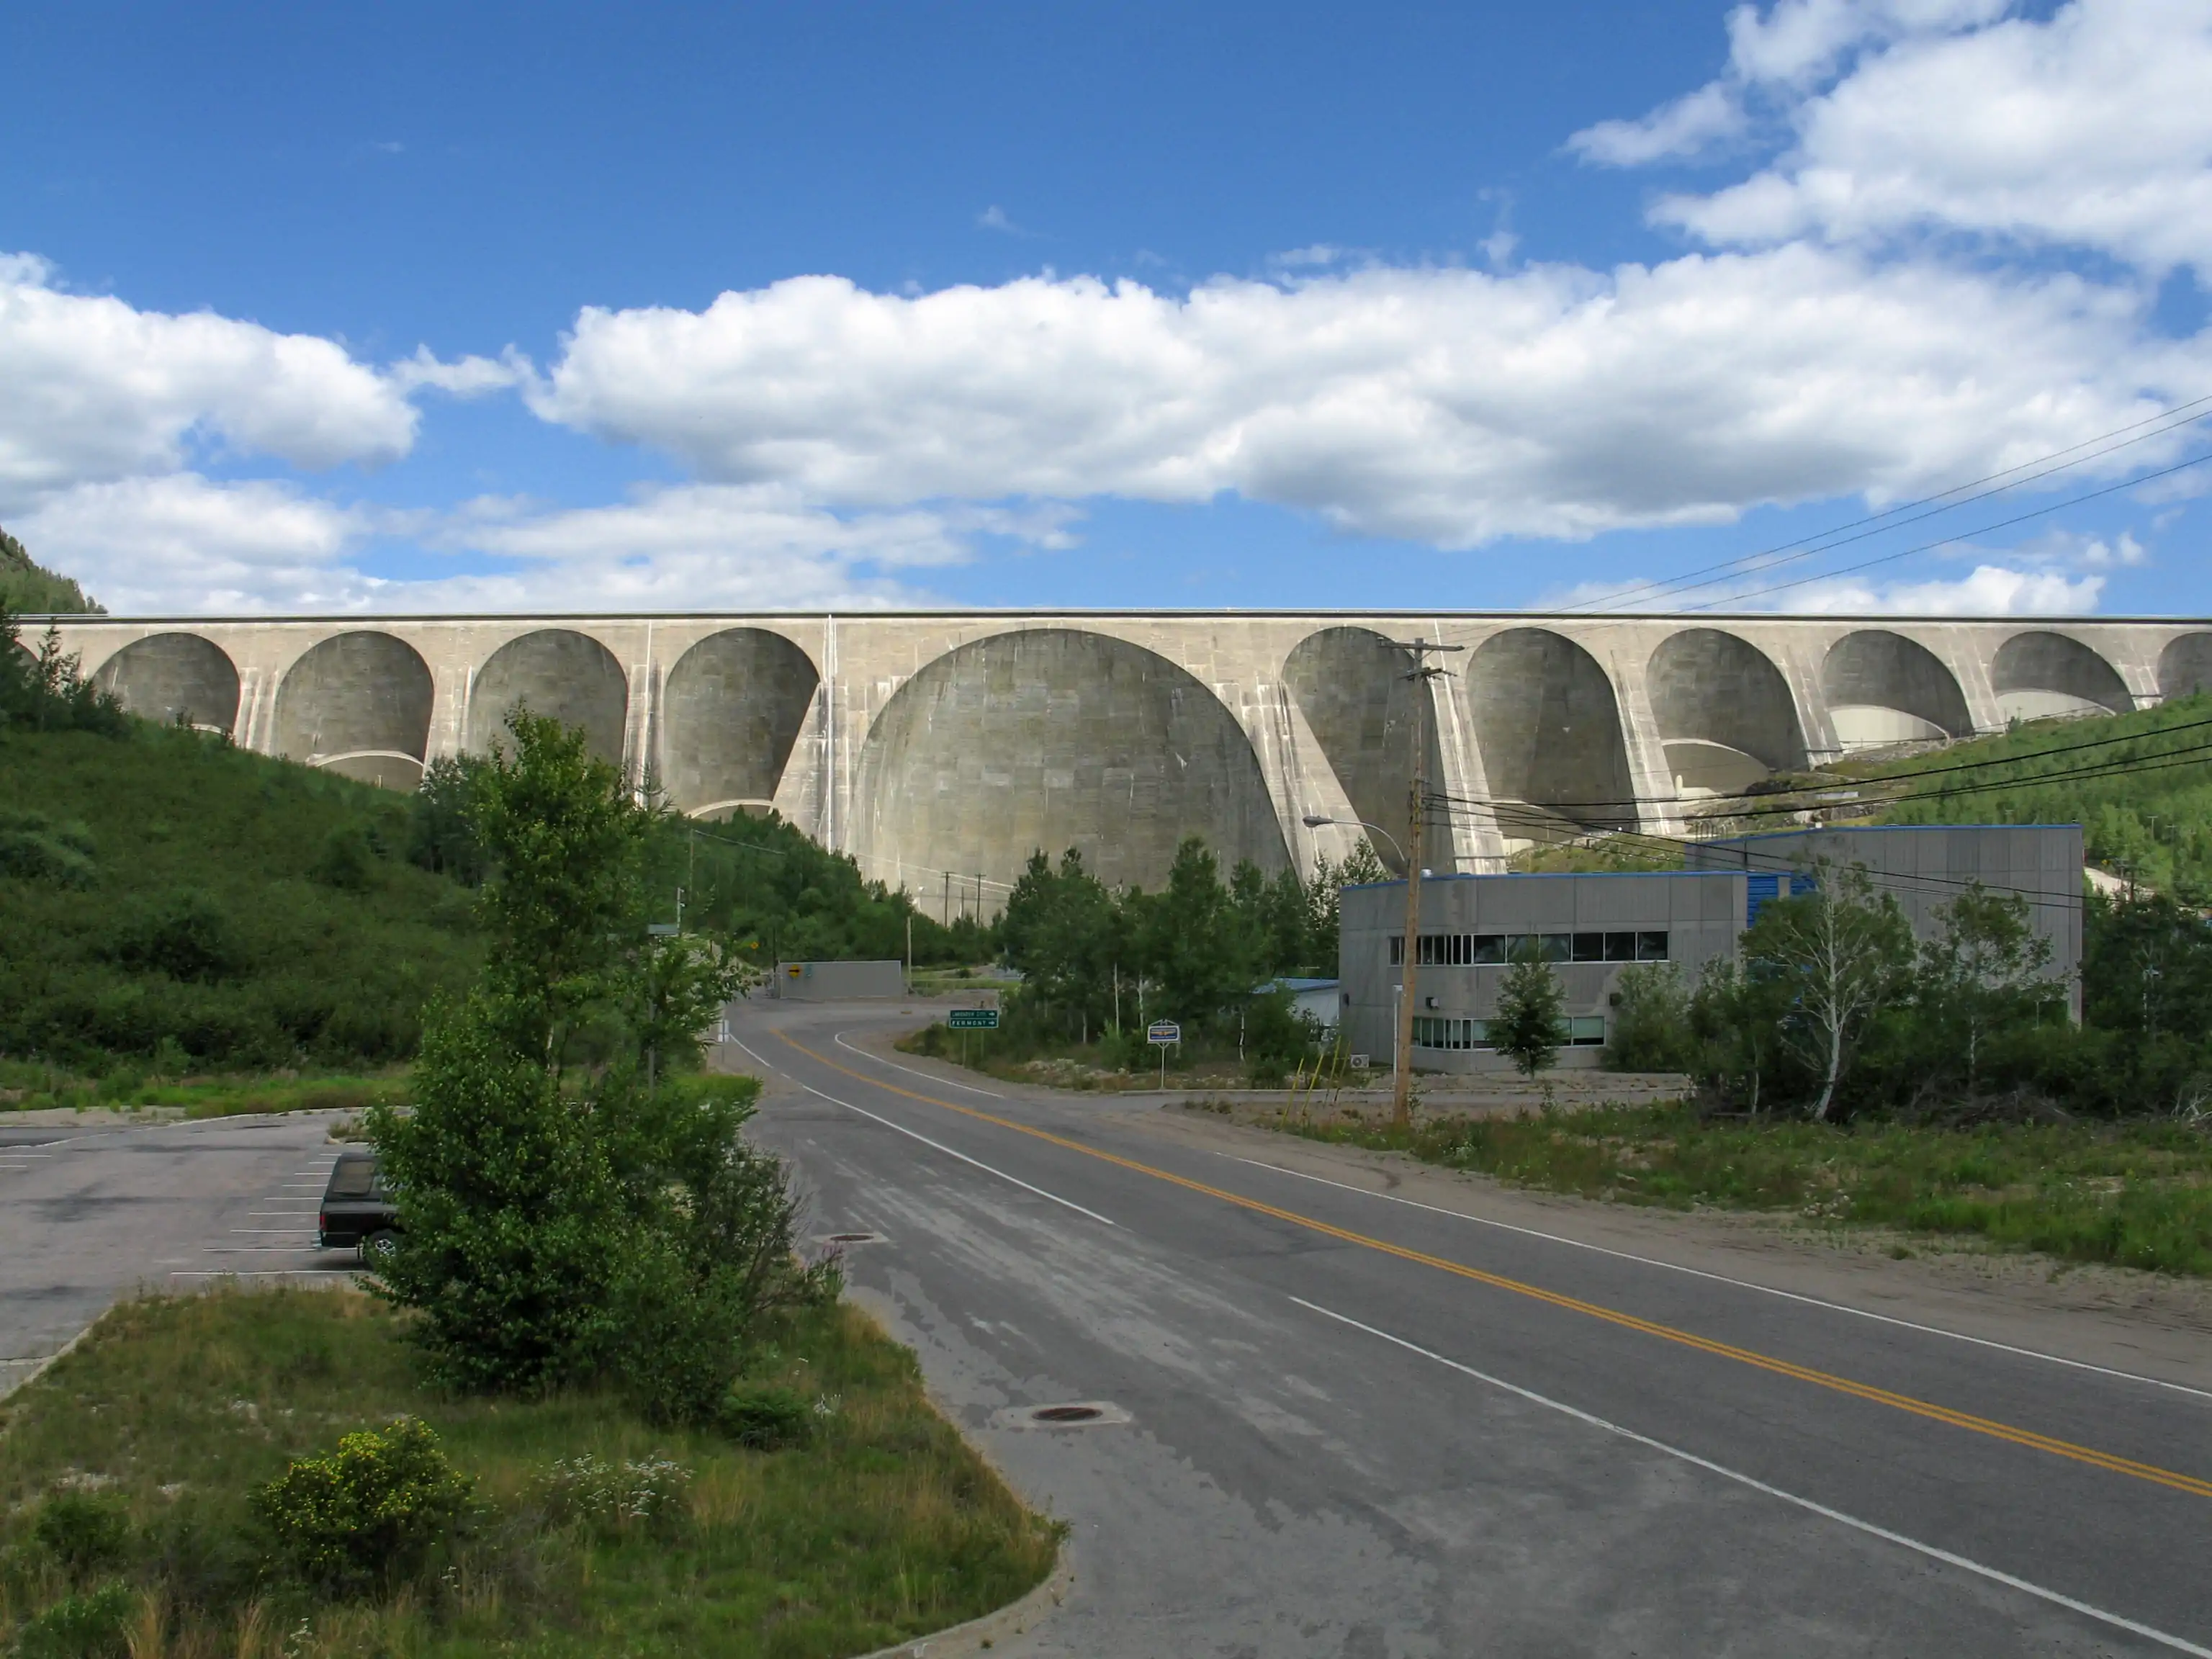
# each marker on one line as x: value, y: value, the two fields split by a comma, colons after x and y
x: 943, y: 746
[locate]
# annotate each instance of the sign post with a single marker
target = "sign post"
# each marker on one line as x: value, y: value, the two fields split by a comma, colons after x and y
x: 1160, y: 1033
x: 964, y: 1020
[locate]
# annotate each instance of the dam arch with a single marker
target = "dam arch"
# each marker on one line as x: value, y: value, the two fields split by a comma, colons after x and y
x: 1048, y: 739
x: 167, y: 677
x: 2185, y: 666
x: 1548, y: 728
x: 1883, y: 689
x: 1351, y: 684
x: 559, y: 672
x: 731, y: 710
x: 2038, y: 675
x: 1726, y: 717
x: 358, y: 704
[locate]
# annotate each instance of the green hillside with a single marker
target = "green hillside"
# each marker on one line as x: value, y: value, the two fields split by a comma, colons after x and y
x: 26, y: 589
x: 2142, y: 795
x: 175, y: 900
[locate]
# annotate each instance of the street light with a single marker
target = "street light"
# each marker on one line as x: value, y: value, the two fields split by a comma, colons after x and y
x: 1318, y: 820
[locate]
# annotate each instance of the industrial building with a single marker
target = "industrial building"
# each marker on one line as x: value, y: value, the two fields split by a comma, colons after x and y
x: 1590, y: 926
x: 1924, y: 868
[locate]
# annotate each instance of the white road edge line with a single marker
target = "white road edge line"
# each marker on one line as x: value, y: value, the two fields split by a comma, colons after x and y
x: 838, y: 1037
x: 1723, y: 1279
x: 2117, y: 1620
x: 963, y: 1157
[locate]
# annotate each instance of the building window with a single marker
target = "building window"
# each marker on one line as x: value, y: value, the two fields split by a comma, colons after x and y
x: 1432, y: 1031
x: 1586, y: 1032
x: 1494, y: 949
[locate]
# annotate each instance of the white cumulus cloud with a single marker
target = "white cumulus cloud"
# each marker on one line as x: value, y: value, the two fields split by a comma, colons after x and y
x: 93, y: 389
x: 1991, y: 590
x: 1449, y: 406
x: 2091, y: 129
x: 183, y: 544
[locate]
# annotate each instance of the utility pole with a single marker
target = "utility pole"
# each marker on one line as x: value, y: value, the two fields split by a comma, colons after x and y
x: 1401, y: 1092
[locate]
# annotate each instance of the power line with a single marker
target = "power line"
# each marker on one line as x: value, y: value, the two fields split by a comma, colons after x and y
x: 1983, y: 530
x: 1875, y: 523
x: 1886, y: 778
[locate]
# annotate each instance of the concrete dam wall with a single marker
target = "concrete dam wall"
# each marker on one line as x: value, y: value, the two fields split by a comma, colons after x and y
x: 941, y: 748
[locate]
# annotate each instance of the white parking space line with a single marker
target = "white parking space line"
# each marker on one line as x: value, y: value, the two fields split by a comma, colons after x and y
x: 2116, y: 1620
x: 1723, y: 1279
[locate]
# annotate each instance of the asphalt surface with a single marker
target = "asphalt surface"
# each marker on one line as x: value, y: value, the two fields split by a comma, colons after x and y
x: 1340, y: 1426
x: 89, y: 1216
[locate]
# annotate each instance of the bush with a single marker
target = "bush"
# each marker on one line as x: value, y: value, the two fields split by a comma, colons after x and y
x: 88, y: 1626
x: 766, y: 1417
x: 372, y: 1512
x: 1652, y: 1021
x: 85, y: 1535
x: 187, y: 937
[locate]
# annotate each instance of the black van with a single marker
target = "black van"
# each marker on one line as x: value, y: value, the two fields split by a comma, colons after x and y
x: 358, y: 1211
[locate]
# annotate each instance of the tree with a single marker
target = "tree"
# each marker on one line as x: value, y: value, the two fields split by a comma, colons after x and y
x: 553, y: 1232
x: 564, y: 842
x: 1527, y: 1028
x: 1986, y: 972
x: 1841, y: 956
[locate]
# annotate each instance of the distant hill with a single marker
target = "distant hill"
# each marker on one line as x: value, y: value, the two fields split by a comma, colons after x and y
x: 2142, y: 795
x: 29, y: 589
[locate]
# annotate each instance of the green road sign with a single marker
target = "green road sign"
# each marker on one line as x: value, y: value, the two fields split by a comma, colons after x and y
x: 973, y: 1019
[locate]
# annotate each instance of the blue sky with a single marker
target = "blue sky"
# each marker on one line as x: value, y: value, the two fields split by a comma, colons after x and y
x: 407, y: 306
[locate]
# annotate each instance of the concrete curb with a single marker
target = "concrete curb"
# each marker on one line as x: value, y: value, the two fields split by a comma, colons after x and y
x: 1015, y: 1618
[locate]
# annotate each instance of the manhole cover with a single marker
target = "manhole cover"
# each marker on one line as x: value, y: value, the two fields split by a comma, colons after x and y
x: 1065, y: 1414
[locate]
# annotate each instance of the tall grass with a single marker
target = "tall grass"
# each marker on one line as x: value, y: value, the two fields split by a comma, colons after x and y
x: 884, y: 1527
x: 2136, y: 1194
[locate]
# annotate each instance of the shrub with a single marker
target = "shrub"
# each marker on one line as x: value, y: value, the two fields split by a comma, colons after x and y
x: 88, y: 1626
x: 372, y: 1511
x: 1652, y: 1021
x: 766, y: 1416
x: 187, y: 936
x: 85, y: 1535
x: 347, y: 859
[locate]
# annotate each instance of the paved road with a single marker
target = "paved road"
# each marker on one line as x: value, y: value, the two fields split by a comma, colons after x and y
x: 1341, y: 1425
x: 90, y: 1215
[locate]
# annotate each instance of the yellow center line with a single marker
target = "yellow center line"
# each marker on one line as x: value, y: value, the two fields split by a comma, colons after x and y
x: 1957, y: 1419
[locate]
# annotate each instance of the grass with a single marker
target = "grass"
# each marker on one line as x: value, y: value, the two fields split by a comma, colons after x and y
x: 884, y: 1527
x: 26, y: 1087
x: 2134, y: 1195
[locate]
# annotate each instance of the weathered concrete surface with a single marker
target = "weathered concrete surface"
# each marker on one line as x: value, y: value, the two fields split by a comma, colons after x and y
x: 954, y: 742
